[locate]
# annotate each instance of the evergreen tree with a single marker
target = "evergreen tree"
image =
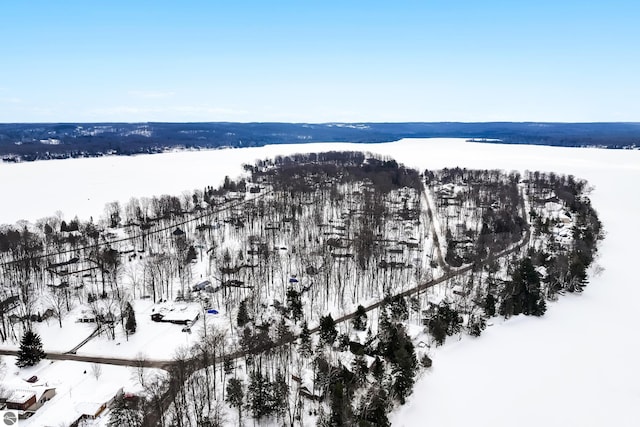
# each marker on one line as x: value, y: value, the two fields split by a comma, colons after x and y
x: 294, y: 304
x: 541, y: 307
x: 475, y: 325
x: 343, y: 342
x: 527, y: 280
x: 446, y: 321
x: 438, y: 330
x: 426, y: 361
x: 259, y: 395
x: 305, y: 341
x: 235, y: 395
x: 489, y: 305
x: 340, y: 402
x: 279, y: 394
x: 451, y: 317
x: 360, y: 319
x: 243, y: 314
x: 123, y: 415
x: 323, y: 372
x: 404, y: 364
x: 131, y: 323
x: 522, y: 293
x: 328, y: 332
x: 372, y: 411
x: 399, y: 308
x: 378, y: 369
x: 359, y: 369
x: 283, y: 333
x: 30, y: 352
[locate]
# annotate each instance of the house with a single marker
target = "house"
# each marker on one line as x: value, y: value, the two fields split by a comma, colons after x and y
x: 43, y: 395
x: 303, y: 389
x: 107, y: 318
x: 48, y: 313
x: 304, y: 392
x: 28, y: 399
x: 342, y: 254
x: 21, y: 400
x: 92, y: 409
x: 201, y: 286
x: 179, y: 314
x: 87, y: 316
x: 564, y: 218
x: 9, y: 304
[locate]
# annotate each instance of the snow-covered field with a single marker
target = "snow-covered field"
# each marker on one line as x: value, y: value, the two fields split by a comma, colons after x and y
x: 575, y: 366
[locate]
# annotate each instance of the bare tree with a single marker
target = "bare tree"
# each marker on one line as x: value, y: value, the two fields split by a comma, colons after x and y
x: 56, y: 302
x: 113, y: 214
x: 141, y: 375
x: 96, y: 370
x: 155, y: 389
x: 132, y: 274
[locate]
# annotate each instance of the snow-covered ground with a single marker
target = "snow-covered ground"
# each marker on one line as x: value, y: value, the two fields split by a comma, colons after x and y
x: 79, y: 387
x: 578, y: 364
x: 152, y: 340
x: 575, y: 366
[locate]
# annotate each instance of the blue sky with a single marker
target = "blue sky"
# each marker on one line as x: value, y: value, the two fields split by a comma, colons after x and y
x: 319, y: 61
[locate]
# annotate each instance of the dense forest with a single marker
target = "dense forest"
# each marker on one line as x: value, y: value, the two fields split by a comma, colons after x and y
x: 340, y: 273
x: 25, y: 142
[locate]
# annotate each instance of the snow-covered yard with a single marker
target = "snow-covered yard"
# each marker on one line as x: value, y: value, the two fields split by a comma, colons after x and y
x: 152, y: 340
x: 78, y: 388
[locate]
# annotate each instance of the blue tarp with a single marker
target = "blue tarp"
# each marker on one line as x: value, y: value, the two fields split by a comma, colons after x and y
x: 212, y: 311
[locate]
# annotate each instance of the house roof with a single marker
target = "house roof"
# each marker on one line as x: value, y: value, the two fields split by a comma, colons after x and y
x: 9, y: 302
x: 89, y: 408
x: 20, y: 396
x: 87, y: 314
x: 39, y: 391
x: 177, y: 312
x: 185, y: 313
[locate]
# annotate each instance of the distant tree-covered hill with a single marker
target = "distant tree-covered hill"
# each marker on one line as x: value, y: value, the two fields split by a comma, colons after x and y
x: 35, y: 141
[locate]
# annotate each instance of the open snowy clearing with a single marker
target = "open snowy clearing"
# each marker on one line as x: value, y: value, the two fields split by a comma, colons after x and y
x: 152, y: 340
x: 575, y: 366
